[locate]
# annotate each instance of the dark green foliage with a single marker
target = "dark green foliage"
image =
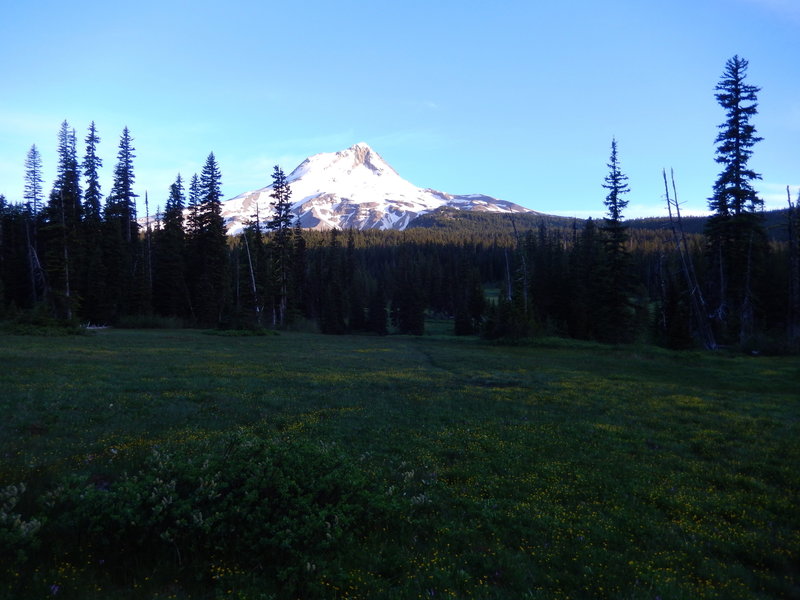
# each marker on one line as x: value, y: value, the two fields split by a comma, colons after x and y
x: 173, y: 463
x: 331, y: 301
x: 281, y: 510
x: 170, y: 291
x: 408, y: 301
x: 92, y: 269
x: 506, y: 320
x: 120, y: 240
x: 585, y: 264
x: 470, y: 301
x: 91, y: 169
x: 252, y: 275
x: 59, y: 240
x: 793, y: 318
x: 280, y: 225
x: 733, y: 191
x: 737, y: 246
x: 377, y: 315
x: 33, y: 181
x: 615, y: 312
x: 121, y: 202
x: 470, y: 223
x: 208, y: 246
x: 616, y: 282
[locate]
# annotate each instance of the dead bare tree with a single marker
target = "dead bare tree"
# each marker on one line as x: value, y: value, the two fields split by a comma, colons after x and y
x: 697, y: 304
x: 793, y: 328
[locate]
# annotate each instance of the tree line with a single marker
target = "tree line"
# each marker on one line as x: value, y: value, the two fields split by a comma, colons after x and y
x: 77, y: 255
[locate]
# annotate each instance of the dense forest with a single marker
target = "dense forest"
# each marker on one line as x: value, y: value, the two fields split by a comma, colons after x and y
x: 733, y: 279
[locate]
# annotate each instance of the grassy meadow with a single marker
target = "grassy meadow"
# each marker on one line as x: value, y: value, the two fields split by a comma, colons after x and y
x: 178, y: 464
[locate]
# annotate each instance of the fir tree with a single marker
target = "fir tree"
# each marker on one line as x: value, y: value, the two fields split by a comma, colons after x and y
x: 170, y: 292
x: 193, y: 204
x: 615, y: 319
x: 121, y: 202
x: 60, y: 233
x: 33, y: 181
x: 298, y: 271
x: 92, y: 271
x: 733, y: 190
x: 793, y: 318
x: 734, y: 232
x: 121, y: 237
x: 281, y: 227
x: 91, y: 165
x: 377, y: 315
x: 211, y: 247
x: 332, y: 309
x: 33, y: 205
x: 585, y: 266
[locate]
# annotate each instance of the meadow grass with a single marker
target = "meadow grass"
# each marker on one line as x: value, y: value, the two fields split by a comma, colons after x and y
x: 426, y: 467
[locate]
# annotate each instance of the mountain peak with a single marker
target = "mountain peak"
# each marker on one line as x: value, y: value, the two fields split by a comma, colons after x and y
x: 364, y: 155
x: 355, y: 188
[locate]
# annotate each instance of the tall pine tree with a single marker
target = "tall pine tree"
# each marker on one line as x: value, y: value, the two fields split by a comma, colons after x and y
x: 170, y: 292
x: 92, y: 271
x: 281, y: 227
x: 210, y: 246
x: 61, y: 231
x: 93, y: 196
x: 33, y: 208
x: 33, y: 181
x: 615, y: 319
x: 121, y: 202
x: 120, y: 236
x: 734, y: 232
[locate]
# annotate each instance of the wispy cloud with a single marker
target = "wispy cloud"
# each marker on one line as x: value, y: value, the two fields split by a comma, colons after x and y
x: 424, y: 104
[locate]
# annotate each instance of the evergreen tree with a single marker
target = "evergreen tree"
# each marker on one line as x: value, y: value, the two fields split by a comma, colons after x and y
x: 615, y: 320
x: 356, y: 287
x: 299, y: 263
x: 60, y: 232
x: 17, y: 281
x: 735, y: 232
x: 33, y: 181
x: 193, y: 204
x: 211, y: 247
x: 793, y: 326
x: 281, y: 227
x: 92, y: 198
x: 252, y: 275
x: 121, y: 202
x: 92, y: 271
x: 408, y: 302
x: 377, y: 315
x: 332, y: 309
x: 3, y: 252
x: 121, y: 237
x: 33, y: 207
x: 170, y: 292
x: 585, y: 266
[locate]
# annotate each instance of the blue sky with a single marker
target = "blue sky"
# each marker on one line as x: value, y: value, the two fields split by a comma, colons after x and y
x: 515, y: 99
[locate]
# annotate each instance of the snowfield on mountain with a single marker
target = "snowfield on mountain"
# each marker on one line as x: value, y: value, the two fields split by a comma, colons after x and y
x: 353, y: 188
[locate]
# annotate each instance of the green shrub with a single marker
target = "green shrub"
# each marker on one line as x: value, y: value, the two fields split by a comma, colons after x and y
x: 279, y: 509
x: 17, y: 535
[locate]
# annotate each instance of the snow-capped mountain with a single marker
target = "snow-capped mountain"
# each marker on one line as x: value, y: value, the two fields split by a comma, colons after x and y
x: 353, y: 188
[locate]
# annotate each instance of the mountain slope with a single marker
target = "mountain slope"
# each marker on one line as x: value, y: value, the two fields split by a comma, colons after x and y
x: 354, y: 188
